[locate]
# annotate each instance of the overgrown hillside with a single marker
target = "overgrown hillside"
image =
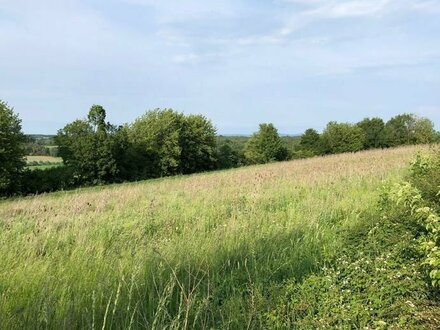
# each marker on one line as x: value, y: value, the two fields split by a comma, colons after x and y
x: 300, y: 244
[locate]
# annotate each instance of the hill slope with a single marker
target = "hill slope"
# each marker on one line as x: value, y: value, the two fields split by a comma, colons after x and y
x: 216, y: 250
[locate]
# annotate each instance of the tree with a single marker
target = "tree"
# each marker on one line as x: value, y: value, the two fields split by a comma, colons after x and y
x: 409, y: 129
x: 399, y: 130
x: 227, y: 156
x: 175, y: 143
x: 424, y: 131
x: 157, y: 134
x: 265, y: 146
x: 374, y: 132
x: 90, y: 149
x: 310, y: 142
x: 96, y: 118
x: 342, y: 137
x: 12, y: 151
x: 198, y: 145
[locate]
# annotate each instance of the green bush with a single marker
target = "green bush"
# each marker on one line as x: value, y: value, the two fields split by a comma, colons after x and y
x: 418, y: 202
x: 425, y: 176
x: 47, y: 180
x: 373, y: 281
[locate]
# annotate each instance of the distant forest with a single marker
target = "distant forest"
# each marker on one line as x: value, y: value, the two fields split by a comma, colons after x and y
x: 164, y: 142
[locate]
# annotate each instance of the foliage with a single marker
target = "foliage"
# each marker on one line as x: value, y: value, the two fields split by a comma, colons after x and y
x: 399, y: 130
x: 198, y: 145
x: 227, y: 155
x: 373, y: 281
x: 96, y: 118
x: 310, y: 143
x: 424, y: 131
x: 374, y: 132
x: 342, y: 137
x: 43, y: 180
x: 90, y: 148
x: 408, y: 129
x: 418, y: 202
x: 12, y: 152
x: 425, y: 176
x: 265, y: 146
x: 407, y: 203
x: 178, y: 144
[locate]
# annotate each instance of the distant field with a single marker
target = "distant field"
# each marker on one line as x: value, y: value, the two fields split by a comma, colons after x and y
x: 205, y: 251
x: 44, y: 159
x: 43, y: 162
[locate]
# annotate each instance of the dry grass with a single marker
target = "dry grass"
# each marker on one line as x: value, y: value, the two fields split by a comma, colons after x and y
x: 198, y: 249
x: 44, y: 159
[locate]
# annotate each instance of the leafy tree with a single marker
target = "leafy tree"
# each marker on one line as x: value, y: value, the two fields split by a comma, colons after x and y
x: 424, y: 131
x: 131, y: 163
x: 374, y: 132
x: 342, y: 137
x: 175, y: 143
x: 409, y: 129
x: 399, y: 130
x: 198, y: 145
x: 265, y: 146
x: 96, y: 118
x: 227, y: 155
x: 89, y: 148
x: 310, y: 143
x: 12, y: 151
x: 157, y: 134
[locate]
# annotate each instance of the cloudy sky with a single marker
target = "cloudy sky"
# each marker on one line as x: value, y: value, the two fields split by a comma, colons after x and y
x: 296, y: 63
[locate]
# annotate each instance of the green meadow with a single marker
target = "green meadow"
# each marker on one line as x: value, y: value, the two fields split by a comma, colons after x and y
x: 249, y: 248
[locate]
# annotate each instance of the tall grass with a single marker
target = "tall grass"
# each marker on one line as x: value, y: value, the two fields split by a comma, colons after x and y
x: 203, y: 251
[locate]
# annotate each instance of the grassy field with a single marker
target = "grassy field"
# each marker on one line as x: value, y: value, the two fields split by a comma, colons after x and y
x: 217, y: 250
x: 43, y: 162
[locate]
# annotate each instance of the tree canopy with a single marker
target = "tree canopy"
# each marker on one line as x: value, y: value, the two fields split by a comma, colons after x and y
x: 12, y: 151
x: 265, y: 146
x: 175, y: 143
x: 374, y: 132
x: 311, y: 142
x: 88, y: 147
x: 342, y: 137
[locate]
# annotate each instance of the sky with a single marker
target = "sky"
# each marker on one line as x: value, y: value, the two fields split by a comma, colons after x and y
x: 295, y: 63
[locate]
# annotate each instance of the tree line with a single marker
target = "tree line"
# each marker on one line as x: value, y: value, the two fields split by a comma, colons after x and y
x: 164, y: 142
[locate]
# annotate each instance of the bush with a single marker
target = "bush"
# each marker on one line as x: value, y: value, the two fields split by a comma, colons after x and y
x: 418, y: 202
x: 425, y: 176
x: 47, y: 180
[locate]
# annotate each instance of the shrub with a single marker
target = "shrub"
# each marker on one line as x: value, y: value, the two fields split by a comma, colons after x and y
x: 418, y: 201
x: 425, y: 176
x: 47, y: 180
